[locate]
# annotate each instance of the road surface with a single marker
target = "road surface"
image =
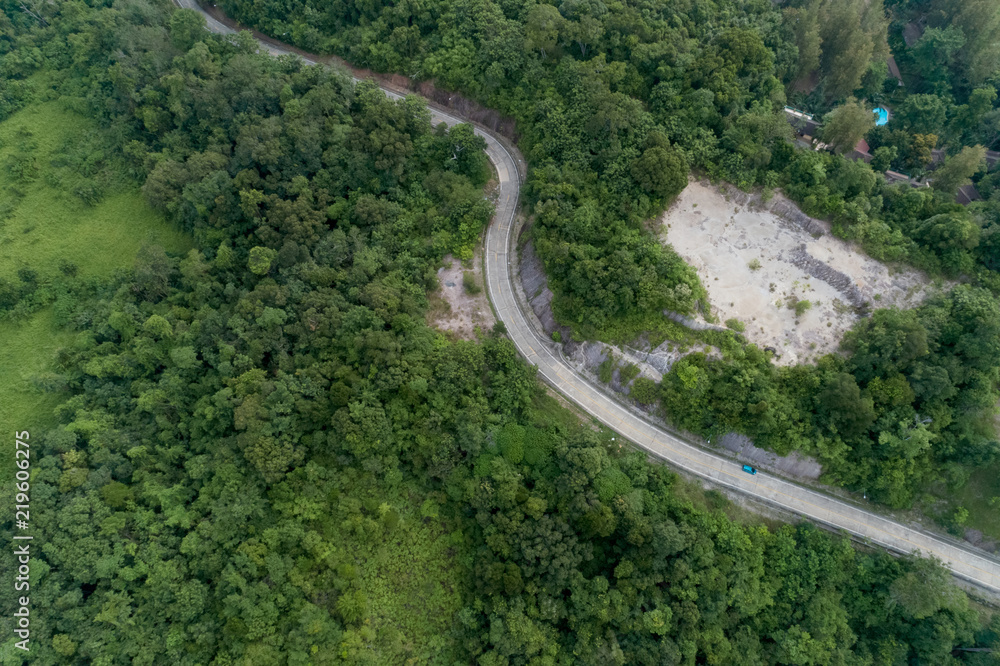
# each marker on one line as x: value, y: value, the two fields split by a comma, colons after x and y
x: 972, y: 566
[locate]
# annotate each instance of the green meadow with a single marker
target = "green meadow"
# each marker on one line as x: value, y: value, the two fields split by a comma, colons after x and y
x: 44, y: 186
x: 26, y: 351
x: 46, y: 222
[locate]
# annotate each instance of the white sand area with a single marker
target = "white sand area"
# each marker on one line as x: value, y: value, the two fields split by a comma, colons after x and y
x: 721, y: 239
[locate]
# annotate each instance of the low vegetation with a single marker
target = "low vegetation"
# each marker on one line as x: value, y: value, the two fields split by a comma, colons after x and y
x: 627, y: 373
x: 605, y: 371
x: 69, y: 207
x: 734, y: 324
x: 27, y: 399
x: 471, y: 283
x: 644, y: 390
x: 56, y: 247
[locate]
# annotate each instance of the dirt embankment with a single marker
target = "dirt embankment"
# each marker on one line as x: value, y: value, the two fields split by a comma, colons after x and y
x: 760, y: 260
x: 586, y: 356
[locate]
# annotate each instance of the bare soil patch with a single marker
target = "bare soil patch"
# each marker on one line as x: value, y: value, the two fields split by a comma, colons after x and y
x: 756, y: 262
x: 455, y: 310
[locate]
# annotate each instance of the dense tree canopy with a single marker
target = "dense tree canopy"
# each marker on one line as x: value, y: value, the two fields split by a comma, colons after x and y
x: 615, y: 101
x: 577, y: 77
x: 912, y: 402
x: 240, y: 415
x: 846, y: 125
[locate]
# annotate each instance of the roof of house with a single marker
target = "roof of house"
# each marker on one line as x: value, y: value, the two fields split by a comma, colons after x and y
x: 896, y: 177
x: 967, y: 194
x: 912, y: 33
x: 894, y: 69
x: 861, y: 152
x: 802, y: 123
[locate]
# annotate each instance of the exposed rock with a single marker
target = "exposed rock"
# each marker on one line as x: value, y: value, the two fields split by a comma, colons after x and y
x: 794, y: 464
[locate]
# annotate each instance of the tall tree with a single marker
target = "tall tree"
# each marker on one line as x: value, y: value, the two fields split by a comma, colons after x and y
x: 804, y: 21
x: 958, y: 169
x: 542, y: 29
x: 846, y: 125
x: 922, y: 114
x: 186, y: 28
x: 853, y: 33
x: 934, y: 54
x: 979, y: 22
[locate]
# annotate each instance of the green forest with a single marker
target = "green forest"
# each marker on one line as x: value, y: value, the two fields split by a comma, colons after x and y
x: 615, y: 102
x: 257, y: 452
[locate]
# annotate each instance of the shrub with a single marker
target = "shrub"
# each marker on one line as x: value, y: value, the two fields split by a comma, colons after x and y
x: 754, y: 265
x: 28, y: 276
x: 537, y: 446
x: 606, y: 369
x: 9, y: 294
x: 510, y: 440
x: 89, y: 193
x: 628, y: 373
x: 470, y: 283
x: 644, y: 391
x: 68, y: 268
x: 735, y: 325
x: 612, y: 483
x: 794, y: 303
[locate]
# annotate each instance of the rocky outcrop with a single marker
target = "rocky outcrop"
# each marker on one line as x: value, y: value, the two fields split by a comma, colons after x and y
x: 821, y: 271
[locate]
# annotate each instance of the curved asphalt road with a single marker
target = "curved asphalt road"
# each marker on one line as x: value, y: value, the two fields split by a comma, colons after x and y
x: 974, y: 567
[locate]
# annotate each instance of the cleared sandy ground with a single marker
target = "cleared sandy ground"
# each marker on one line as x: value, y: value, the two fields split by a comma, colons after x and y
x: 721, y: 238
x: 453, y: 309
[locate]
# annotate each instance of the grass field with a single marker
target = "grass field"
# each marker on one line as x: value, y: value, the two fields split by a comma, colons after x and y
x: 413, y: 584
x: 42, y: 223
x: 983, y: 486
x: 413, y: 577
x: 26, y: 349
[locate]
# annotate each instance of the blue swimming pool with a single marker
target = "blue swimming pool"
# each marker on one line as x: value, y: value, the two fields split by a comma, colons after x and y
x: 883, y: 115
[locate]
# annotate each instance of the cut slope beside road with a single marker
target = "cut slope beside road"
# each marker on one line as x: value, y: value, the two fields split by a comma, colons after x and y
x: 977, y: 568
